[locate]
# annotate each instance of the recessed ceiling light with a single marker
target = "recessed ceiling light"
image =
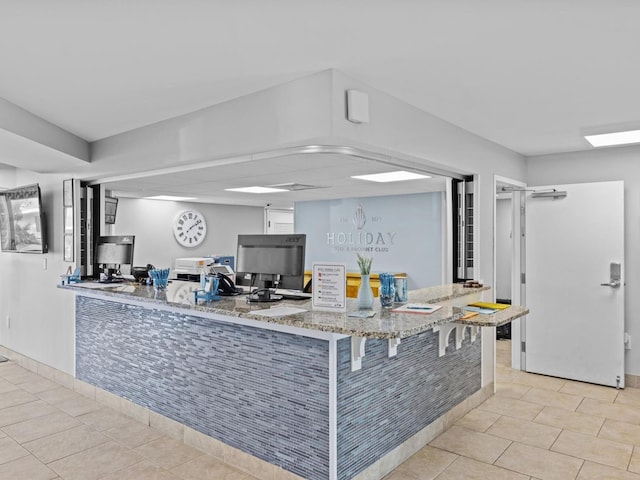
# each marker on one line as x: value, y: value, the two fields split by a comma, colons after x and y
x: 256, y: 190
x: 615, y: 138
x: 398, y: 176
x: 170, y: 197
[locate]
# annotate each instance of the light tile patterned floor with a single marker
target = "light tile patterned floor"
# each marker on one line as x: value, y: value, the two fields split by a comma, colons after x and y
x: 538, y: 428
x: 534, y: 428
x: 50, y: 432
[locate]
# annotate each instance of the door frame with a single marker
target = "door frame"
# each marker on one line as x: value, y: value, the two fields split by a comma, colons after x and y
x: 518, y: 252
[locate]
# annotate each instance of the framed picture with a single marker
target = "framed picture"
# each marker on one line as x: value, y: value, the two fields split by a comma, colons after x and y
x: 68, y: 248
x: 67, y: 193
x: 67, y: 212
x: 68, y: 220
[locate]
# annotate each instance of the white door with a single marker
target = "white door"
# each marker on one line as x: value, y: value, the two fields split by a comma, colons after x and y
x: 576, y: 326
x: 279, y: 221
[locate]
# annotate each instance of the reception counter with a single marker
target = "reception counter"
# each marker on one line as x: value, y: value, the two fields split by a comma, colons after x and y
x: 317, y: 395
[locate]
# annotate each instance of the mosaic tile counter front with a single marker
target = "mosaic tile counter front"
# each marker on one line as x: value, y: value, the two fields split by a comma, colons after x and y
x: 286, y: 395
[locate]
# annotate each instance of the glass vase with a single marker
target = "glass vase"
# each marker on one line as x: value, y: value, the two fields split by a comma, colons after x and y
x: 387, y: 291
x: 365, y: 295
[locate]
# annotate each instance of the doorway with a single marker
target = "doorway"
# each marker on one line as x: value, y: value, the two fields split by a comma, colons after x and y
x: 509, y: 255
x: 575, y: 282
x: 278, y: 221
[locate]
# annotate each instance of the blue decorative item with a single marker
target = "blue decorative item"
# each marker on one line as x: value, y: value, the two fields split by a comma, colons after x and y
x: 402, y: 295
x: 160, y: 277
x: 387, y: 290
x: 208, y: 290
x: 70, y: 278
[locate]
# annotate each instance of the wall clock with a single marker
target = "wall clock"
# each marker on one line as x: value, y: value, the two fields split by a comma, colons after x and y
x: 190, y: 228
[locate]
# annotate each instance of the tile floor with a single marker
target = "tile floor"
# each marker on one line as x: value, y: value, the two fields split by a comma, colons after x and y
x: 534, y: 428
x: 537, y: 428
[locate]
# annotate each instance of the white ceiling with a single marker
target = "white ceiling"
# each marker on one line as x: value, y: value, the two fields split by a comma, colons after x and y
x: 331, y: 172
x: 530, y: 75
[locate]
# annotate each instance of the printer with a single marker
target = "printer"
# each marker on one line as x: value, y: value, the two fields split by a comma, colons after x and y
x: 190, y: 268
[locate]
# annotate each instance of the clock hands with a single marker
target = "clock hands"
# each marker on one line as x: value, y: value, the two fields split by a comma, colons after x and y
x: 195, y: 224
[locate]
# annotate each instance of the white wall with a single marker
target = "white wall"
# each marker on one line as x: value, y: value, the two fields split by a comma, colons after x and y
x: 622, y: 163
x: 30, y: 128
x: 7, y: 176
x: 503, y: 248
x: 285, y: 115
x: 150, y: 221
x: 396, y: 126
x: 42, y: 318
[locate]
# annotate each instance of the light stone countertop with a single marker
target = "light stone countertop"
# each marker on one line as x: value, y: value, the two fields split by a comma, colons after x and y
x: 384, y: 324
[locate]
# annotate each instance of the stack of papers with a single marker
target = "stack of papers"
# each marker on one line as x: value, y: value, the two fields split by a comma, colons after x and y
x: 485, y: 308
x: 419, y: 308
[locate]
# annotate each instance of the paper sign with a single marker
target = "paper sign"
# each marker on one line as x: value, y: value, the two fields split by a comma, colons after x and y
x: 329, y: 285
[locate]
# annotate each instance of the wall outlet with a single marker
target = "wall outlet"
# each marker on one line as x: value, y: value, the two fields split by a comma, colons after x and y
x: 627, y: 341
x: 8, y: 322
x: 44, y: 263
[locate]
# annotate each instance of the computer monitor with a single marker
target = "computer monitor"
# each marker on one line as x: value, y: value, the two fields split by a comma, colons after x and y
x: 271, y: 261
x: 113, y: 252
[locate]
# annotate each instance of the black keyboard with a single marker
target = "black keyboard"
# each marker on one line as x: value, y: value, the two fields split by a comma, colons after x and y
x: 293, y: 296
x: 111, y: 280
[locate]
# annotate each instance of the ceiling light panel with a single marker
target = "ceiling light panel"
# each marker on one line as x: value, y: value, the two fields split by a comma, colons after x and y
x: 296, y: 187
x: 615, y: 138
x: 256, y: 190
x: 398, y: 176
x: 170, y: 197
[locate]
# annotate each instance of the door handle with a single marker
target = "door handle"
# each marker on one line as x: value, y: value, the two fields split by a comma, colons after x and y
x: 615, y: 274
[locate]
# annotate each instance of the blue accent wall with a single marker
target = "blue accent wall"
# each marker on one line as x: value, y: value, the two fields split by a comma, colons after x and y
x: 403, y: 233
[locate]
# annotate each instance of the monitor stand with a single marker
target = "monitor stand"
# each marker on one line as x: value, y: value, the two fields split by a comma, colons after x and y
x: 264, y: 295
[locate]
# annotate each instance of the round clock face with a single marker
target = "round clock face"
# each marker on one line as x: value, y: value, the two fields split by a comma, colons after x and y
x: 189, y: 228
